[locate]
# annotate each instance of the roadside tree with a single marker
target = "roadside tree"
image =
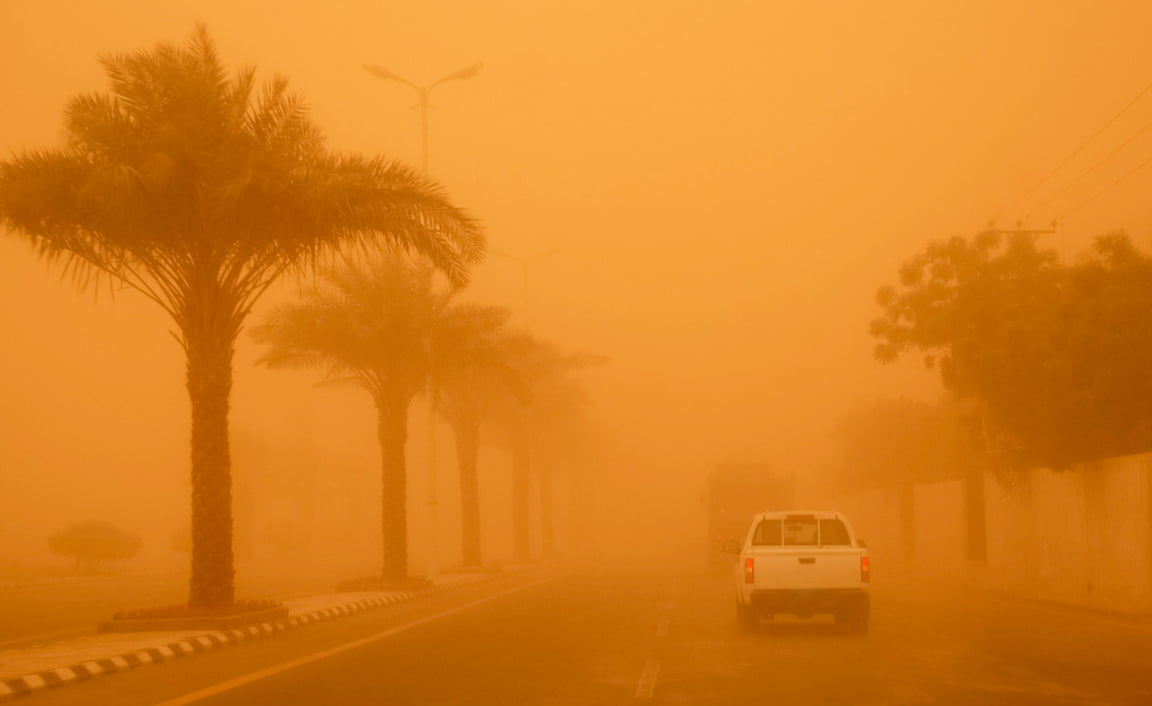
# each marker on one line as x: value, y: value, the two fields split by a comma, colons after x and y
x: 520, y: 423
x: 473, y: 365
x: 198, y: 190
x: 370, y: 325
x: 1051, y: 355
x: 90, y: 543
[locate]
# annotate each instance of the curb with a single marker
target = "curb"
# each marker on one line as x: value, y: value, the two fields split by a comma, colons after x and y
x: 29, y: 684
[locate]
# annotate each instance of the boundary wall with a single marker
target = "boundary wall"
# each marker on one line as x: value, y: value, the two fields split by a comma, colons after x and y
x: 1080, y: 537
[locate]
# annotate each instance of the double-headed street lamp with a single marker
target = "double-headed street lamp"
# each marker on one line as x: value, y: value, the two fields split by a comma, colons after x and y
x: 462, y: 75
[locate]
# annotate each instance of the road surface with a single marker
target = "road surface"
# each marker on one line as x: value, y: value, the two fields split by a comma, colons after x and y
x: 628, y: 637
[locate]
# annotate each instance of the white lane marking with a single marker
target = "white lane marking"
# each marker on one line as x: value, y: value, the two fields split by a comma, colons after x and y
x: 662, y: 627
x: 648, y: 680
x: 324, y: 654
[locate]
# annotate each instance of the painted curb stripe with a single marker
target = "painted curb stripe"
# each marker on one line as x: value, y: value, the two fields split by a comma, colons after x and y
x: 22, y: 686
x: 354, y: 644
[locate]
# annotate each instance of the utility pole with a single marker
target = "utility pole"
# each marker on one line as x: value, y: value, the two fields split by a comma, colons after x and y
x: 1021, y: 230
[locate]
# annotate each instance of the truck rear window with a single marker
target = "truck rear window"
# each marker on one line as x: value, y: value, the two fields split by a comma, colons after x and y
x: 804, y: 532
x: 767, y: 534
x: 833, y: 533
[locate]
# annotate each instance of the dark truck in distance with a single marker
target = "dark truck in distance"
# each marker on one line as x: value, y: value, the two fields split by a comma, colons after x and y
x: 736, y: 492
x: 802, y: 564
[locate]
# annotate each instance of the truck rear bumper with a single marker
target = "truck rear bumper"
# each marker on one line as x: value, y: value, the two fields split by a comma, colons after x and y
x: 807, y: 602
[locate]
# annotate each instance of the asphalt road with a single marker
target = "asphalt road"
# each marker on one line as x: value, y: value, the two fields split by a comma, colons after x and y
x: 621, y: 637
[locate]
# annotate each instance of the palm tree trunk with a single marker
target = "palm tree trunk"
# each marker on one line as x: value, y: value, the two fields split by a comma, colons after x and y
x: 547, y: 531
x: 467, y: 450
x: 521, y: 484
x: 392, y: 429
x: 209, y: 377
x: 576, y: 500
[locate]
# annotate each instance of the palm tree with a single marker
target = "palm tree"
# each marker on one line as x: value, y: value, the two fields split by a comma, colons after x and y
x: 371, y: 326
x: 558, y: 403
x: 473, y: 358
x: 198, y: 190
x: 519, y: 425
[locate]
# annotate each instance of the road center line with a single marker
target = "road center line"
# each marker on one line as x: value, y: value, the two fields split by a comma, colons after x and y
x: 324, y: 654
x: 662, y: 627
x: 648, y: 680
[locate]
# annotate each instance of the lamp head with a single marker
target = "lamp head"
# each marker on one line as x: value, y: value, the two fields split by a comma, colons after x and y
x: 465, y: 73
x: 380, y: 72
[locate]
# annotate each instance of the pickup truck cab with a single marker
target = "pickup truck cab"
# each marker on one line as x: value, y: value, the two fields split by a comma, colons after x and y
x: 801, y: 563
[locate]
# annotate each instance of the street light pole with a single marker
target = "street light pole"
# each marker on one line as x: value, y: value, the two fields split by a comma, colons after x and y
x: 424, y: 92
x: 433, y: 492
x: 524, y: 262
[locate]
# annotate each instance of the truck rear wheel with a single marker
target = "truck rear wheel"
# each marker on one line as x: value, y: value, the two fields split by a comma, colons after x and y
x: 746, y: 617
x: 854, y: 618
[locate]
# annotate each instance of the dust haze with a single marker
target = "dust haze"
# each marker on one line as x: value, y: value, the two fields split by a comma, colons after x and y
x: 708, y: 195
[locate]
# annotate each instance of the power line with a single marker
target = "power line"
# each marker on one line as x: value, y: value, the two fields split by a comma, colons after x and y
x: 1091, y: 169
x: 1074, y: 152
x: 1099, y: 193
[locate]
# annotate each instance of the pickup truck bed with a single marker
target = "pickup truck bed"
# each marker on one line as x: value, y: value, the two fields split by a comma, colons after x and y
x: 802, y: 563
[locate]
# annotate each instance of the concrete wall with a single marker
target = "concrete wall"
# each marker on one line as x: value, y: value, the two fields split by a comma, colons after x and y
x: 875, y: 517
x: 1080, y: 537
x: 940, y: 527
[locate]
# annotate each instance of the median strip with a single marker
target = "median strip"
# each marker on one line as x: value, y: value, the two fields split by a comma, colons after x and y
x: 149, y: 651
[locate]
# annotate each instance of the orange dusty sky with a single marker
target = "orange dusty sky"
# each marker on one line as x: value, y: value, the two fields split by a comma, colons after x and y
x: 725, y: 185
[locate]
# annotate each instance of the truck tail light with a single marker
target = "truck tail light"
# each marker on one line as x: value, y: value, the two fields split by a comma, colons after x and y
x: 865, y: 574
x: 749, y: 571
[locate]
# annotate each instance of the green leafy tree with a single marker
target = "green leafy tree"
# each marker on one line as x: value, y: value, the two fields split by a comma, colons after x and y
x: 1051, y: 355
x: 893, y: 442
x: 199, y: 189
x: 90, y: 543
x: 1108, y: 326
x: 370, y: 325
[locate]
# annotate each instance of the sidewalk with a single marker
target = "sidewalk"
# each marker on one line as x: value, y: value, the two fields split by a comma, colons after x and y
x: 29, y: 669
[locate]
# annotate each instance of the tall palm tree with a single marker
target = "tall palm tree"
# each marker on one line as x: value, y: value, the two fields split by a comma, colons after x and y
x: 473, y: 357
x: 558, y: 403
x: 370, y: 325
x: 519, y: 425
x: 198, y: 190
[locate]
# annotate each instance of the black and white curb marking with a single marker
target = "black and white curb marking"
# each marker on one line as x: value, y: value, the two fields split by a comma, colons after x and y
x: 32, y: 683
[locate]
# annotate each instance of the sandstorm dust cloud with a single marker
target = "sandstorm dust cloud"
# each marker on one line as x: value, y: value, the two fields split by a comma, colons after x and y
x: 705, y: 195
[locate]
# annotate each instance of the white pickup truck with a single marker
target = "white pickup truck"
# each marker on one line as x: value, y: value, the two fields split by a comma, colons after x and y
x: 801, y: 563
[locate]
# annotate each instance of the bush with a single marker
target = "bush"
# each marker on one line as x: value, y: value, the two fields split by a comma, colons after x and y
x: 90, y: 543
